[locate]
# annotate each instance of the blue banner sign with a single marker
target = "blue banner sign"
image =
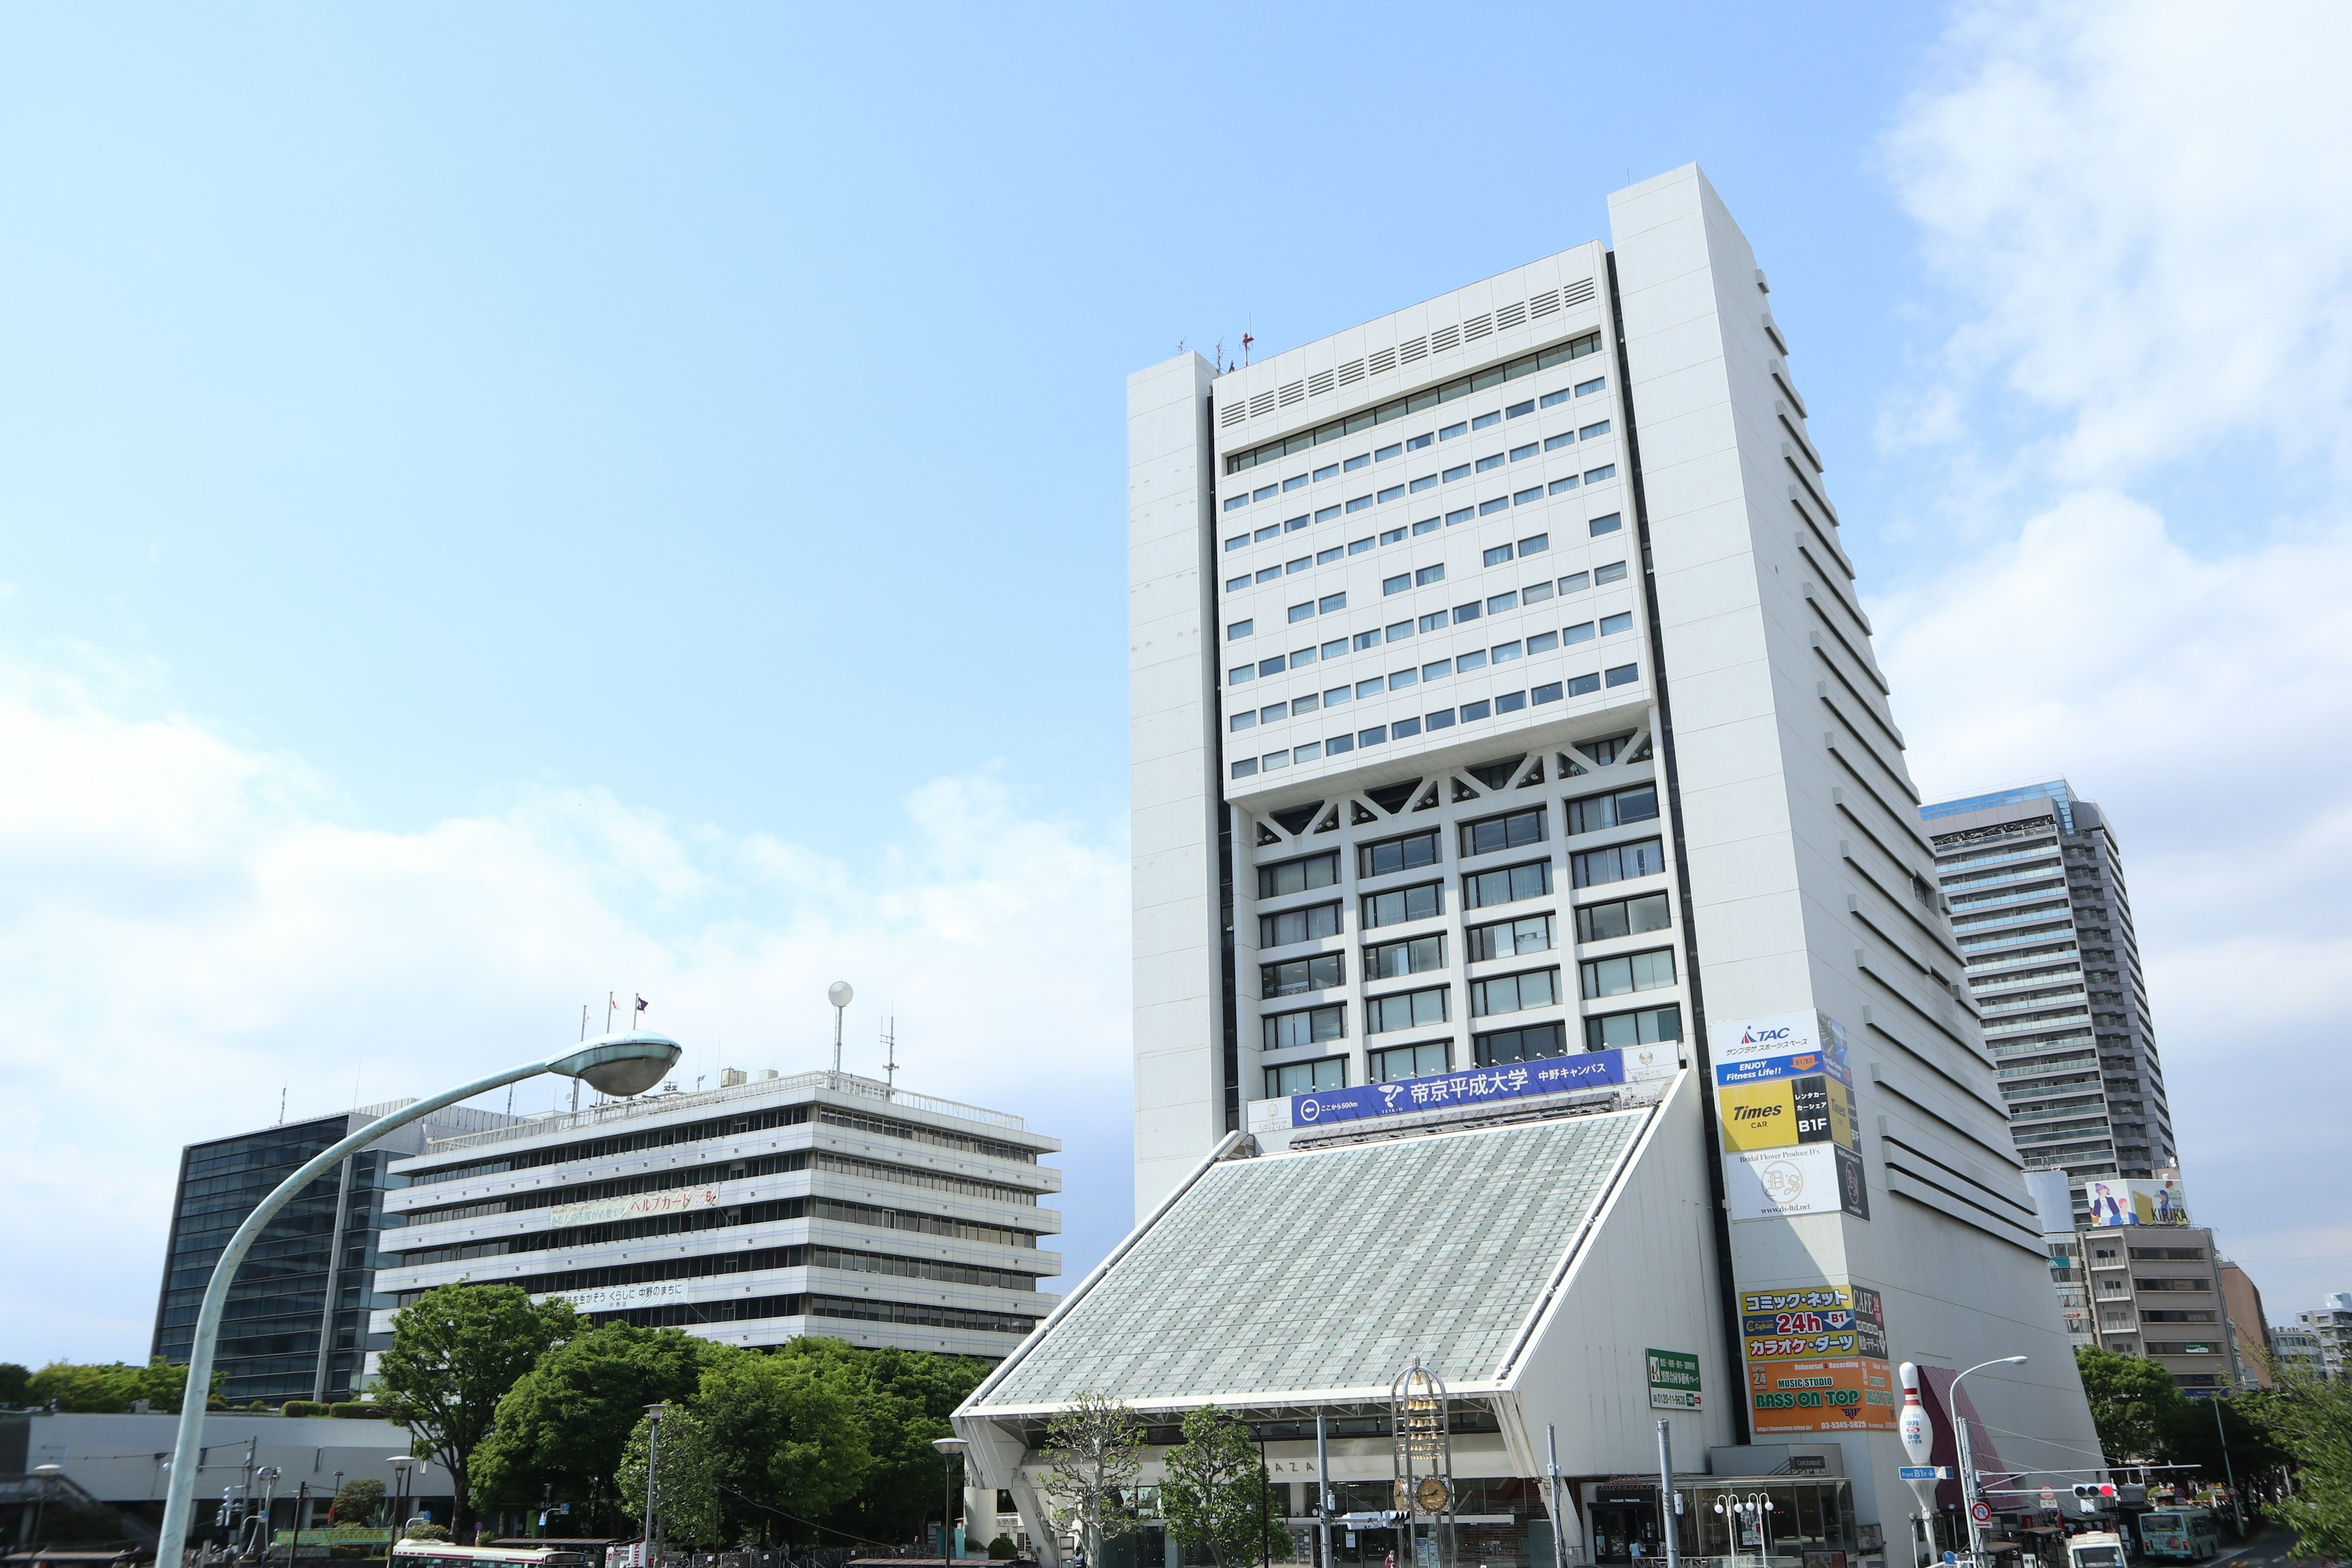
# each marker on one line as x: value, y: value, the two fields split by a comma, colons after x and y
x: 1452, y: 1090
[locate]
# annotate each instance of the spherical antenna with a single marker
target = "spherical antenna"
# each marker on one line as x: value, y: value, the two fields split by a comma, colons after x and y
x: 839, y: 994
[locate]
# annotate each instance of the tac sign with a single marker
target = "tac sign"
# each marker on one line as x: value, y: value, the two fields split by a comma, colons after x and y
x: 1981, y: 1513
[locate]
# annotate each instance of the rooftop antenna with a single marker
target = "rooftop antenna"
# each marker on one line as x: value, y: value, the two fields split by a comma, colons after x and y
x: 281, y: 1105
x: 890, y: 1051
x: 839, y: 994
x: 1247, y: 340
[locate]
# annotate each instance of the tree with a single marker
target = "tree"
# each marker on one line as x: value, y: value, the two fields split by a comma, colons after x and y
x: 561, y: 1428
x: 787, y: 1432
x: 356, y: 1502
x: 454, y: 1353
x: 684, y: 1468
x: 908, y: 1396
x: 1094, y: 1451
x: 2311, y: 1418
x: 2193, y: 1433
x: 2134, y: 1404
x: 108, y: 1388
x: 15, y: 1383
x: 1216, y: 1494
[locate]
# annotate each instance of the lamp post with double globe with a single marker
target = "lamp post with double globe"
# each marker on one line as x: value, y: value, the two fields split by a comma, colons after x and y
x: 620, y: 1064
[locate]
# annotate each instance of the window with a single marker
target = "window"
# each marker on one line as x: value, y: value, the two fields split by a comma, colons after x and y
x: 1611, y: 624
x: 1498, y: 504
x: 1232, y: 501
x: 1528, y: 1045
x: 1590, y: 814
x: 1549, y: 691
x: 1418, y: 442
x: 1503, y: 653
x: 1510, y: 701
x: 1242, y: 720
x: 1395, y: 960
x: 1306, y: 1078
x: 1364, y: 640
x: 1589, y: 431
x: 1529, y: 450
x: 1651, y: 971
x: 1554, y: 442
x: 1410, y: 1061
x: 1521, y: 498
x: 1509, y: 939
x: 1613, y: 521
x: 1440, y: 719
x: 1305, y: 612
x: 1553, y: 399
x: 1450, y: 431
x: 1264, y: 492
x: 1293, y: 482
x: 1587, y: 388
x: 1306, y: 704
x: 1238, y: 629
x: 1534, y: 544
x: 1316, y: 973
x: 1242, y: 672
x: 1398, y: 905
x: 1357, y: 547
x: 1624, y: 917
x: 1583, y: 685
x: 1360, y: 460
x: 1401, y: 679
x: 1427, y: 482
x: 1284, y: 1030
x: 1484, y: 421
x: 1474, y: 659
x: 1407, y: 1010
x: 1390, y: 494
x: 1335, y: 648
x: 1497, y: 555
x: 1369, y: 687
x: 1339, y: 743
x: 1268, y: 573
x: 1492, y: 461
x: 1460, y: 514
x: 1359, y: 503
x: 1273, y: 666
x: 1471, y: 710
x: 1298, y: 925
x: 1396, y: 585
x: 1428, y: 574
x: 1513, y: 992
x: 1404, y: 728
x: 1575, y: 583
x: 1298, y: 876
x: 1498, y: 603
x: 1459, y: 471
x: 1400, y: 854
x: 1651, y: 1025
x: 1330, y: 602
x: 1325, y: 557
x: 1618, y: 863
x: 1396, y: 448
x: 1432, y: 622
x: 1237, y: 540
x: 1506, y: 884
x: 1326, y: 514
x: 1426, y: 525
x: 1273, y: 712
x: 1508, y: 831
x: 1560, y: 487
x: 1515, y: 409
x: 1437, y: 670
x: 1336, y: 695
x: 1241, y: 582
x: 1543, y: 642
x: 1464, y: 612
x: 1624, y: 675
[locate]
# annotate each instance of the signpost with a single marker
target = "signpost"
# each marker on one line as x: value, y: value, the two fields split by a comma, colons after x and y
x: 1673, y: 1381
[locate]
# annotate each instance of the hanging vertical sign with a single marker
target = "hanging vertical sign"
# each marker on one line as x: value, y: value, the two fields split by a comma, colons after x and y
x: 1784, y: 1099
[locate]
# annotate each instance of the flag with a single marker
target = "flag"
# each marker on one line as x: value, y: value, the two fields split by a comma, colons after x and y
x: 641, y: 1003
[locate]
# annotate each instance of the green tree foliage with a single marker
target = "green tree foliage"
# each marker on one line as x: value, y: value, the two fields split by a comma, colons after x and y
x: 1093, y: 1451
x: 908, y: 1397
x: 2134, y: 1404
x: 788, y: 1432
x: 2311, y: 1418
x: 108, y: 1388
x: 682, y: 1462
x: 357, y: 1502
x: 561, y: 1428
x: 2193, y: 1436
x: 15, y: 1383
x: 455, y: 1354
x: 1216, y: 1492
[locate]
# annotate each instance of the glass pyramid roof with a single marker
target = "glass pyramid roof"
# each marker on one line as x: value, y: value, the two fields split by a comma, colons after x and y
x: 1317, y: 1272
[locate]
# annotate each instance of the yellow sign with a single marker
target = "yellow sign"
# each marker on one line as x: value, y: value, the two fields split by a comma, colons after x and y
x: 1836, y: 1394
x: 1783, y: 1112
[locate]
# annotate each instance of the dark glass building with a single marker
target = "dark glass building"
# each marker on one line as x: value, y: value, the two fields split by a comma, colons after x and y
x: 296, y: 1325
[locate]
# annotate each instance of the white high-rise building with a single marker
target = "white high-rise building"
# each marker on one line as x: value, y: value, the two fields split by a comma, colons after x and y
x: 1501, y: 696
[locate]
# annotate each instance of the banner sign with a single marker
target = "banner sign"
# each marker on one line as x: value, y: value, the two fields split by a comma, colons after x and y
x: 621, y: 1297
x: 1783, y: 1112
x: 1842, y: 1393
x: 336, y: 1535
x: 1673, y: 1381
x: 1776, y: 1184
x: 1783, y: 1045
x: 2118, y: 1202
x: 1551, y: 1075
x: 1816, y: 1359
x: 1812, y: 1321
x: 635, y: 1206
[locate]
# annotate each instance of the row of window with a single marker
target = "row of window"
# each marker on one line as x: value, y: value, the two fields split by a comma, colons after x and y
x: 1436, y: 669
x: 1500, y: 1048
x: 1436, y: 620
x: 1607, y: 523
x: 1597, y: 979
x: 1442, y: 718
x: 1480, y: 890
x: 1492, y: 460
x: 1461, y: 387
x: 1480, y: 836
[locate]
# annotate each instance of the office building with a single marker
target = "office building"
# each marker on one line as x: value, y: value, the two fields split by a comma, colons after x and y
x: 2330, y: 1325
x: 2298, y: 1349
x: 2156, y: 1291
x: 1516, y: 790
x: 2035, y: 885
x: 2250, y: 1333
x: 769, y: 1208
x: 295, y: 1324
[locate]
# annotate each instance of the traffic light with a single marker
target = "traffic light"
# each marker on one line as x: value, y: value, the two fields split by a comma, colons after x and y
x: 2093, y: 1496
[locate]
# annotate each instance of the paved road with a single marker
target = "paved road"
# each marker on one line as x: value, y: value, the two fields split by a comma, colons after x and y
x: 2270, y: 1548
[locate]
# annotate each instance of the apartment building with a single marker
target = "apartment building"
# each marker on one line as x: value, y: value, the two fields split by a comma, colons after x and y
x: 2035, y: 885
x: 2330, y: 1328
x: 823, y: 1202
x: 2156, y: 1291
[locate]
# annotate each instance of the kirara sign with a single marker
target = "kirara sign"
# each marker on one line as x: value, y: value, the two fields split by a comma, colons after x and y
x: 1455, y: 1090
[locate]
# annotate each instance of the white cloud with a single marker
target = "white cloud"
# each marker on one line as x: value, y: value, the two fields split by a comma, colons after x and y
x: 187, y: 926
x: 2147, y: 238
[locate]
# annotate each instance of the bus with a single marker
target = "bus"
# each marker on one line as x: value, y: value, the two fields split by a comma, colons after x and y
x: 408, y: 1554
x: 2095, y: 1549
x: 2181, y: 1534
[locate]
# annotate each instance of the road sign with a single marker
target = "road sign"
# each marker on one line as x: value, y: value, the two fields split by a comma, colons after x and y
x: 1920, y: 1473
x: 1981, y: 1513
x: 2049, y: 1498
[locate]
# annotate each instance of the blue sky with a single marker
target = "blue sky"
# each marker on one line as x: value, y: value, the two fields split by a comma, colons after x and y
x: 500, y: 506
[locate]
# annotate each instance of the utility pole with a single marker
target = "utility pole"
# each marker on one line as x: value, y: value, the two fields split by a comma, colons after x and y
x: 1668, y: 1504
x: 1323, y: 1494
x: 2237, y: 1516
x: 1551, y: 1479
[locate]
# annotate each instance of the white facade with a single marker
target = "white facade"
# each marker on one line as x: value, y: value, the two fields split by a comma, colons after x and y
x: 1729, y: 670
x: 824, y: 1204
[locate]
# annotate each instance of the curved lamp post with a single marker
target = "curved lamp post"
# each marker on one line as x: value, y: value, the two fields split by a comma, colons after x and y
x: 618, y: 1065
x: 1968, y: 1454
x: 949, y: 1450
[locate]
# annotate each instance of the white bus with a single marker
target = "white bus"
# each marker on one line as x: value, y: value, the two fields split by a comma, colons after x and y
x: 450, y: 1555
x: 2180, y: 1534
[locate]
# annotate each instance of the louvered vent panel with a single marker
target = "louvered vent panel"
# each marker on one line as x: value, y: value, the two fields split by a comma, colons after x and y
x: 1234, y: 413
x: 1319, y: 383
x: 1545, y: 303
x: 1380, y: 363
x: 1444, y: 338
x: 1510, y: 316
x: 1295, y: 392
x: 1412, y: 351
x: 1477, y: 327
x: 1577, y: 293
x: 1262, y: 403
x: 1351, y: 372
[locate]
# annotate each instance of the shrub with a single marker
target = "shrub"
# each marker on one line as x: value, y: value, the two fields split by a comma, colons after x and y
x: 302, y: 1407
x: 1001, y: 1550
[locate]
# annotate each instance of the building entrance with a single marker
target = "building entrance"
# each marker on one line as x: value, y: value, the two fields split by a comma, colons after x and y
x: 1623, y: 1523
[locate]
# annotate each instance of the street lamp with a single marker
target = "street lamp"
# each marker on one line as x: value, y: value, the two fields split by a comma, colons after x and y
x: 1757, y: 1506
x: 654, y: 1414
x: 49, y: 1474
x: 401, y: 1464
x: 1967, y: 1457
x: 948, y: 1449
x: 619, y: 1064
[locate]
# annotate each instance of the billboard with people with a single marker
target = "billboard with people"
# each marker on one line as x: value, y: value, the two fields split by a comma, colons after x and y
x: 2127, y: 1201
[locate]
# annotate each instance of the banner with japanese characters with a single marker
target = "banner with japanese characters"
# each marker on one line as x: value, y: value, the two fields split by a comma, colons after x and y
x: 1816, y: 1359
x: 1441, y: 1092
